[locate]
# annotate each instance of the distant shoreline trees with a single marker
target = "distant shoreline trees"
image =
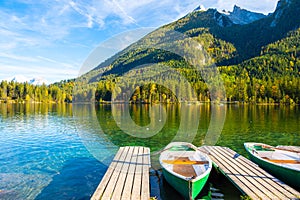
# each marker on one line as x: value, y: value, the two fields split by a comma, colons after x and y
x: 242, y: 89
x: 25, y: 92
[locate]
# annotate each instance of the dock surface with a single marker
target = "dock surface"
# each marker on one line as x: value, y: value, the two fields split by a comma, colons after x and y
x: 127, y: 176
x: 248, y: 177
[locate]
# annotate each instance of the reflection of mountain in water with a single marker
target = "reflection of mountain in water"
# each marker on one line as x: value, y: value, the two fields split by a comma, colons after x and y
x: 181, y: 123
x: 102, y: 131
x: 139, y: 115
x: 104, y: 128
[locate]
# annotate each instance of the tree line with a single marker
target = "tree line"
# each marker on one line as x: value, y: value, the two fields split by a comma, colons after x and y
x: 21, y: 92
x: 242, y: 88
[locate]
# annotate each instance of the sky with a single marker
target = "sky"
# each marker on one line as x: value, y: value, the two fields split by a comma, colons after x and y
x: 52, y: 39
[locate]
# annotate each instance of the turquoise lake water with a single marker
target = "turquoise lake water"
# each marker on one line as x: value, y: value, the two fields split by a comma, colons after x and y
x: 61, y: 151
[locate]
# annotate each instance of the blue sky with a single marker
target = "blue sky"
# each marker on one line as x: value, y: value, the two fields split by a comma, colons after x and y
x: 53, y: 38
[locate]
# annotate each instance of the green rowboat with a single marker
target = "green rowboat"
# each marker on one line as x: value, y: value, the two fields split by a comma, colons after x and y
x: 185, y: 168
x: 283, y: 163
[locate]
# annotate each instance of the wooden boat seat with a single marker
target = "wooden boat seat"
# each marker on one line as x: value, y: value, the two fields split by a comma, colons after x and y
x: 282, y: 161
x: 295, y: 149
x: 184, y: 170
x: 278, y: 155
x: 185, y: 162
x: 288, y: 159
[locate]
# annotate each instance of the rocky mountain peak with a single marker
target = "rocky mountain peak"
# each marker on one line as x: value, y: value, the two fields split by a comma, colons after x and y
x: 243, y: 16
x: 280, y: 9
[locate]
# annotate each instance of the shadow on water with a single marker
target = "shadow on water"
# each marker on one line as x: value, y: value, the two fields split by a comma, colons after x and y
x: 70, y: 184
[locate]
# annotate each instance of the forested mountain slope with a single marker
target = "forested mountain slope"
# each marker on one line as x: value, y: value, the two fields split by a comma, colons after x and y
x: 258, y: 61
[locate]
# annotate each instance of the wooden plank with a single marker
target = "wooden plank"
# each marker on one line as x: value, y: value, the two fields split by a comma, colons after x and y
x: 234, y: 179
x: 271, y: 185
x: 258, y: 180
x: 101, y: 187
x: 248, y: 183
x: 145, y: 191
x: 130, y: 176
x: 127, y: 177
x: 274, y: 185
x: 266, y: 179
x: 124, y: 171
x: 137, y: 183
x: 282, y: 187
x: 116, y: 173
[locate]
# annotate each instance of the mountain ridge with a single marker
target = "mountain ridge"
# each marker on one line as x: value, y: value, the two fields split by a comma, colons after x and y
x: 24, y: 79
x: 231, y: 45
x: 237, y: 16
x: 243, y: 16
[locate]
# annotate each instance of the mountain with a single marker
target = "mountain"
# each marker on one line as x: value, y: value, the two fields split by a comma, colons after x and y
x: 258, y: 58
x: 238, y: 16
x: 242, y: 16
x: 24, y: 79
x: 231, y: 43
x: 257, y: 55
x: 38, y: 81
x: 200, y: 8
x: 248, y: 39
x: 18, y: 78
x: 286, y: 15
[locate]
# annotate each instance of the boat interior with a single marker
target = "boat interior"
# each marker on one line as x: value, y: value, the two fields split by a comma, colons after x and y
x: 186, y: 163
x: 289, y: 159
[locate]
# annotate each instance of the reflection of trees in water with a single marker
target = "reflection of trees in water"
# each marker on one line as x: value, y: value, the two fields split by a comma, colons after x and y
x: 140, y: 116
x: 273, y: 124
x: 181, y: 124
x: 26, y: 109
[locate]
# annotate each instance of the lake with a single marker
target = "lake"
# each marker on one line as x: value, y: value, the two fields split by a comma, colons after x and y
x: 61, y: 151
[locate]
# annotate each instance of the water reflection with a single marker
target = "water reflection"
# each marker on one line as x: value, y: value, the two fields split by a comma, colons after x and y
x: 273, y: 125
x: 142, y: 117
x: 45, y: 145
x: 154, y: 129
x: 26, y: 109
x: 191, y: 123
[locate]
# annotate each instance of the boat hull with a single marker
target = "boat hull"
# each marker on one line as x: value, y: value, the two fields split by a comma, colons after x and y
x: 184, y: 187
x: 185, y: 168
x: 287, y: 175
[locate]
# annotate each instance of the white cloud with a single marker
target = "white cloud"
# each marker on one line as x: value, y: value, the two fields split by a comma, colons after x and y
x: 63, y: 64
x: 156, y: 12
x: 47, y: 21
x: 17, y: 57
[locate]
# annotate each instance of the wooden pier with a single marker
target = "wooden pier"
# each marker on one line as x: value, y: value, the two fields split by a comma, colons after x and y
x: 250, y: 179
x: 127, y: 176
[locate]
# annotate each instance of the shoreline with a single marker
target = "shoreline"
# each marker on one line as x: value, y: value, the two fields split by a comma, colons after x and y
x: 146, y: 103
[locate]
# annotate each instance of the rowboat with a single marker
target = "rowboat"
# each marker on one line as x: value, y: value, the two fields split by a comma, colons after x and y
x: 185, y: 168
x: 281, y: 161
